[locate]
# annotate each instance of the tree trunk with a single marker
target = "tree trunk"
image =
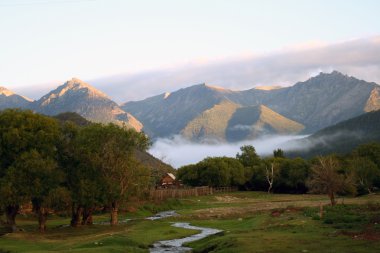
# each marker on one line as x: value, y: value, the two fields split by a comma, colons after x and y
x: 320, y: 210
x: 10, y: 214
x: 42, y: 218
x: 87, y: 216
x: 41, y: 213
x: 270, y: 177
x: 114, y: 212
x: 332, y: 198
x: 270, y: 188
x: 76, y: 213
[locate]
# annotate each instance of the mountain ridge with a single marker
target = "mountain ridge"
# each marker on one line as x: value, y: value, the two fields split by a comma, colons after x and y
x: 10, y: 99
x: 313, y: 104
x: 318, y: 102
x: 80, y: 97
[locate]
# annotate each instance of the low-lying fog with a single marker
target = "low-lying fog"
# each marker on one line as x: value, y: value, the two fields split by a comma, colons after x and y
x: 178, y: 151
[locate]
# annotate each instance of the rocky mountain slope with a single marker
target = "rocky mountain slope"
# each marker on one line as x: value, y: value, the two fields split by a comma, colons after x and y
x: 203, y: 112
x: 73, y: 96
x: 251, y: 122
x: 232, y: 122
x: 9, y: 99
x: 78, y: 96
x: 168, y: 114
x: 325, y: 100
x: 198, y: 112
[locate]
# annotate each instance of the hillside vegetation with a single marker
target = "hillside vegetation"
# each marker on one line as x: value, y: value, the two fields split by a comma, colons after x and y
x: 343, y: 137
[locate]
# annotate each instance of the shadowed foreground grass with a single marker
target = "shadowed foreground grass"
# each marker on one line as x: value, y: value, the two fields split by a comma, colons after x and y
x: 251, y: 221
x: 351, y: 228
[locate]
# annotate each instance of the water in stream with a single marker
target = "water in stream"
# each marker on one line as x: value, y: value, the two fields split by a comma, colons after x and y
x: 175, y: 245
x: 162, y: 215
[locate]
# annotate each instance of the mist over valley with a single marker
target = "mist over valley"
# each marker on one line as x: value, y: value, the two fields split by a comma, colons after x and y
x: 178, y: 151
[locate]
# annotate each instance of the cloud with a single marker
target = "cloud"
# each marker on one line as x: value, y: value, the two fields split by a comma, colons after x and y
x: 240, y: 127
x: 178, y: 151
x: 359, y: 58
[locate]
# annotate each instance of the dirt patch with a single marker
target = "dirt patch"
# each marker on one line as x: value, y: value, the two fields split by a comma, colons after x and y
x: 220, y: 212
x: 131, y: 209
x: 275, y: 213
x: 247, y: 206
x: 288, y: 210
x: 227, y: 199
x: 369, y: 234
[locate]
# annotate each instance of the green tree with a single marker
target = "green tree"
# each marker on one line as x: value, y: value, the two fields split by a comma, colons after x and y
x: 248, y: 156
x: 258, y: 179
x: 37, y: 178
x: 189, y: 175
x: 365, y: 171
x: 278, y: 153
x: 108, y: 151
x: 83, y: 180
x: 371, y: 151
x: 293, y: 174
x: 213, y: 171
x: 20, y: 133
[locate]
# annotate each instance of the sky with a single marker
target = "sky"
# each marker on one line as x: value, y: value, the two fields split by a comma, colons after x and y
x: 134, y: 49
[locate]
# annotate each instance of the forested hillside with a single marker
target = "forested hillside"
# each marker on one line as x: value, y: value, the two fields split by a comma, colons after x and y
x: 342, y: 137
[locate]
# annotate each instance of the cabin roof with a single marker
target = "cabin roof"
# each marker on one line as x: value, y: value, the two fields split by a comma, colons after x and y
x: 171, y: 175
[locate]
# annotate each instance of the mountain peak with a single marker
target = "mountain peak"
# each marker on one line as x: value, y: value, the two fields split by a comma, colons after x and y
x: 334, y: 73
x: 324, y: 77
x: 75, y: 84
x: 214, y: 87
x: 78, y: 96
x: 4, y: 91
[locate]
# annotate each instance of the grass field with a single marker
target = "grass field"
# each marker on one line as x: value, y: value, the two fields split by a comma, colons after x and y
x: 251, y: 221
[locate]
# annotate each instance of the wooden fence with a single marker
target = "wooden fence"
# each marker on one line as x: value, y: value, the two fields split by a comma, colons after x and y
x: 224, y: 189
x: 161, y: 194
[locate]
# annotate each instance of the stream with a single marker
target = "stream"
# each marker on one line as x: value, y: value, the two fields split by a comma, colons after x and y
x: 175, y: 245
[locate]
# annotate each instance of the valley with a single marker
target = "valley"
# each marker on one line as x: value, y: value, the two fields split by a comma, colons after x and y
x: 189, y: 126
x: 251, y: 222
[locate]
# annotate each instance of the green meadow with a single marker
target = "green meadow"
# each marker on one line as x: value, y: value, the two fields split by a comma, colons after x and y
x: 251, y: 222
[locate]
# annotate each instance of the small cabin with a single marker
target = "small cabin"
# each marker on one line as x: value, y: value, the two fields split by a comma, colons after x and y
x: 169, y: 181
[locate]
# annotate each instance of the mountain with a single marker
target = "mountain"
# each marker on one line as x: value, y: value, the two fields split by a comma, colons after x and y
x: 342, y: 137
x: 325, y: 100
x: 9, y: 99
x: 72, y: 117
x: 78, y: 96
x: 253, y: 121
x: 211, y: 124
x: 232, y: 122
x: 169, y: 113
x: 201, y: 111
x: 204, y: 112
